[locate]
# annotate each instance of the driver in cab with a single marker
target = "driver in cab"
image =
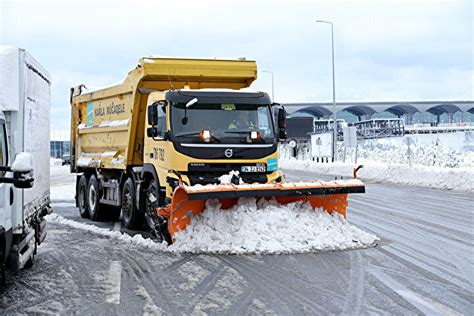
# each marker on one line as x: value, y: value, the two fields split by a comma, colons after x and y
x: 242, y: 121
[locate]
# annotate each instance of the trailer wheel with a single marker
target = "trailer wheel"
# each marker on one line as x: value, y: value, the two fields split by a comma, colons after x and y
x: 82, y: 197
x: 132, y: 218
x: 93, y: 198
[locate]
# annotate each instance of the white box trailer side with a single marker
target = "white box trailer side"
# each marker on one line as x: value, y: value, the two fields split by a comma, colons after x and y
x: 25, y: 94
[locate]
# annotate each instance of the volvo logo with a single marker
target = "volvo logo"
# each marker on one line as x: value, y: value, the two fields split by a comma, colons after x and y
x: 228, y: 153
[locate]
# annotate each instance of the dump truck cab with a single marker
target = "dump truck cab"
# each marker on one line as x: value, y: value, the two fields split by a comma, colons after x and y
x: 196, y: 136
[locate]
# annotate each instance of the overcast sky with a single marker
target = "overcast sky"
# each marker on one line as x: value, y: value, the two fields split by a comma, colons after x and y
x: 385, y: 50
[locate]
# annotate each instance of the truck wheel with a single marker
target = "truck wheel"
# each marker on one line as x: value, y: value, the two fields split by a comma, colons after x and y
x: 82, y: 197
x: 93, y: 197
x: 132, y: 218
x: 157, y: 224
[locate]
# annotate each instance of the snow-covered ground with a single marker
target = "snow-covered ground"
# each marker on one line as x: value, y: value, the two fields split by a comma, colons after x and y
x: 444, y: 161
x: 250, y: 227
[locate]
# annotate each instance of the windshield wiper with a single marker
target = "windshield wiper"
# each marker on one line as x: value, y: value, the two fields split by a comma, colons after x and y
x: 197, y: 134
x: 238, y: 132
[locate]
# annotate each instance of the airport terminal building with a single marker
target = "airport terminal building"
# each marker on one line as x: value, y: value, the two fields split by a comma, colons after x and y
x: 412, y: 112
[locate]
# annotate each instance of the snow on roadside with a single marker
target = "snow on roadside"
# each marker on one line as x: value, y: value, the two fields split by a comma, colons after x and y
x: 252, y: 227
x: 461, y: 179
x: 135, y: 240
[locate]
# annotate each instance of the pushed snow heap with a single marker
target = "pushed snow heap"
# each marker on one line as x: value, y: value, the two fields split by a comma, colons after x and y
x: 252, y: 227
x: 190, y: 201
x: 265, y: 227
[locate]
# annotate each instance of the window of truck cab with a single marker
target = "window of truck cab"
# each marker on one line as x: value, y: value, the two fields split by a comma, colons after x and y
x: 161, y: 125
x: 230, y: 123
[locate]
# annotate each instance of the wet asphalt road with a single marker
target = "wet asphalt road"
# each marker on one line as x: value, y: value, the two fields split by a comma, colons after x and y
x: 424, y: 264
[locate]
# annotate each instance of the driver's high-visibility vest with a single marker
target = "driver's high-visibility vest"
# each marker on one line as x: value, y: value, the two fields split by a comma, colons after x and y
x: 233, y: 125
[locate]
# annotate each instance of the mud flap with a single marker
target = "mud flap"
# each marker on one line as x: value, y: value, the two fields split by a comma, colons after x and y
x: 22, y: 251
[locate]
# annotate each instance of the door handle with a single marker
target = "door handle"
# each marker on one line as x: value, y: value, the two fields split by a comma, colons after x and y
x: 11, y: 196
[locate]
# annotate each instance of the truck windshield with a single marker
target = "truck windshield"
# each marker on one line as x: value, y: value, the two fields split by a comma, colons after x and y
x: 229, y: 122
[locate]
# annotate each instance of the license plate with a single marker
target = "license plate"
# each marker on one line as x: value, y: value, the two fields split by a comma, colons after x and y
x: 258, y: 168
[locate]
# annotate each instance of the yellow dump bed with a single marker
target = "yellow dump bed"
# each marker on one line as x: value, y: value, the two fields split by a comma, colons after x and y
x: 107, y: 125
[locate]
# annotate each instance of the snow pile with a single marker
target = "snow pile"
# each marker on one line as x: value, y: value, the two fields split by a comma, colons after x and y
x: 23, y: 162
x: 269, y: 228
x: 135, y: 240
x: 441, y: 161
x: 435, y: 154
x: 461, y: 179
x: 251, y: 228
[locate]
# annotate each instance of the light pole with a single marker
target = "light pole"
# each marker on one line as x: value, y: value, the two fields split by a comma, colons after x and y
x: 273, y: 92
x: 334, y: 148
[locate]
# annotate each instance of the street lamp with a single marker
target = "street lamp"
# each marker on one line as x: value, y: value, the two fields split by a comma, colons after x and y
x: 271, y: 73
x: 334, y: 148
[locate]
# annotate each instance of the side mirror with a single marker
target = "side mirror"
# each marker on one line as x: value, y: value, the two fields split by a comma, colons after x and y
x: 22, y: 169
x: 281, y: 121
x: 281, y: 118
x: 153, y: 114
x: 152, y: 131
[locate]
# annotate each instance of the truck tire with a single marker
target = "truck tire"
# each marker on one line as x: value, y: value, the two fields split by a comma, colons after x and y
x: 93, y: 198
x: 132, y: 218
x: 158, y: 225
x: 82, y: 197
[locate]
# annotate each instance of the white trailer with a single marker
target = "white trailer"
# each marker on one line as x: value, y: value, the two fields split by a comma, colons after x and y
x: 25, y: 93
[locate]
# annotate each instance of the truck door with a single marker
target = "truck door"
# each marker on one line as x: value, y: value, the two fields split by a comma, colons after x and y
x: 6, y: 189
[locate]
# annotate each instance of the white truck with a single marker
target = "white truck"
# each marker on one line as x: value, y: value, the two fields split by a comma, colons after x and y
x: 25, y: 92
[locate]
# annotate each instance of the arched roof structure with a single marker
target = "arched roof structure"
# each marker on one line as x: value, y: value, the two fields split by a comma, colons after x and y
x: 360, y: 110
x: 402, y: 109
x: 440, y: 109
x: 315, y: 110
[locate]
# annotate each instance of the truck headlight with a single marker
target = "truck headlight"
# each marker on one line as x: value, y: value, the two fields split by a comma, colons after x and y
x: 205, y: 136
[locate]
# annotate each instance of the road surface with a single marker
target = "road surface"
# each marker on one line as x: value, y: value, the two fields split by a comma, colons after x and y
x: 422, y: 265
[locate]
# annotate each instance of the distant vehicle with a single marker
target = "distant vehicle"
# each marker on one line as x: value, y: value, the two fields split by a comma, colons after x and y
x: 24, y: 148
x: 66, y: 159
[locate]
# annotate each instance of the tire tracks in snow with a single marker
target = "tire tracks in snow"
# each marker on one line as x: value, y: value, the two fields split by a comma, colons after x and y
x: 261, y: 281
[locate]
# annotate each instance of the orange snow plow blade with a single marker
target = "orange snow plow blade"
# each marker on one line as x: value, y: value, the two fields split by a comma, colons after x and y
x: 190, y: 201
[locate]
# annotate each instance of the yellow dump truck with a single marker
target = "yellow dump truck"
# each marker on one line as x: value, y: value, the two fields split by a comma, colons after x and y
x: 177, y: 132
